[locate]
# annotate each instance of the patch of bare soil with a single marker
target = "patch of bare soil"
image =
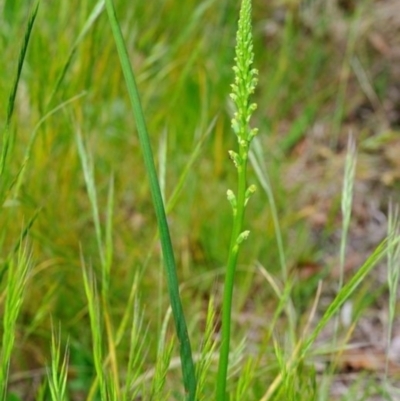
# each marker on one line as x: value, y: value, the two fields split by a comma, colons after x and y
x: 316, y: 169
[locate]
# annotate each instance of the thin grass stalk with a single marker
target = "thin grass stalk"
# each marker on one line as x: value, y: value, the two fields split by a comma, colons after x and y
x: 87, y: 167
x: 96, y: 331
x: 128, y: 310
x: 136, y: 351
x: 108, y: 240
x: 32, y: 139
x: 162, y: 166
x: 347, y: 201
x: 21, y: 59
x: 345, y: 75
x: 188, y: 370
x: 346, y: 208
x: 245, y: 380
x: 393, y: 258
x: 106, y: 269
x: 94, y: 15
x: 173, y: 199
x: 176, y: 192
x: 7, y: 137
x: 164, y: 353
x: 347, y: 290
x: 285, y: 303
x: 105, y: 249
x: 17, y: 275
x: 96, y: 12
x: 256, y: 158
x: 206, y: 352
x: 58, y: 372
x: 17, y: 247
x: 112, y: 391
x: 244, y: 85
x: 112, y: 351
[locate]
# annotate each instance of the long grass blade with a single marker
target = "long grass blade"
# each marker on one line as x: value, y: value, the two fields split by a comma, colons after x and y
x: 87, y: 167
x: 344, y: 294
x: 7, y: 137
x: 347, y: 290
x: 347, y: 200
x: 188, y: 370
x: 96, y: 329
x: 393, y: 258
x: 96, y: 12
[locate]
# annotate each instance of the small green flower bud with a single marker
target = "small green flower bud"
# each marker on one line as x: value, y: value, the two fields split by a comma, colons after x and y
x: 242, y: 237
x: 232, y: 200
x: 235, y: 126
x: 235, y: 158
x: 250, y: 191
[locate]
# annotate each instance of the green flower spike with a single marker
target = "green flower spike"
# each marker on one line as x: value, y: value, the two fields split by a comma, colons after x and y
x: 244, y: 85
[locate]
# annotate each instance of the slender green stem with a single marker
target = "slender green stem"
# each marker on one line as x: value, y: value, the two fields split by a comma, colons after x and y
x: 244, y: 85
x: 188, y: 370
x: 229, y: 284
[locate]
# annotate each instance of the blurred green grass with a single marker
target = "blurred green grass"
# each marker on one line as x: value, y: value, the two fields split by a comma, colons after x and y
x: 182, y: 53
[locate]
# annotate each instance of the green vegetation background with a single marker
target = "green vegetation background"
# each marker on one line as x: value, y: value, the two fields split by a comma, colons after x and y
x: 182, y: 53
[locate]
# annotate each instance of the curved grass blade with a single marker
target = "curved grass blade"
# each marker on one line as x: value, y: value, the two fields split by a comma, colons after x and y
x: 188, y: 370
x: 96, y: 12
x: 7, y: 138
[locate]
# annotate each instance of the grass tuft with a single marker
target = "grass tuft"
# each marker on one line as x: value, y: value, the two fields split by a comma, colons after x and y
x: 17, y: 274
x: 58, y: 372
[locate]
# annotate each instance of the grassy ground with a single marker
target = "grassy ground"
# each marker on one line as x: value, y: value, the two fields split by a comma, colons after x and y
x: 324, y: 71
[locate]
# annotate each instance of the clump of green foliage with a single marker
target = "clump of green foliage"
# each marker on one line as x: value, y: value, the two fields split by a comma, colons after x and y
x: 99, y: 304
